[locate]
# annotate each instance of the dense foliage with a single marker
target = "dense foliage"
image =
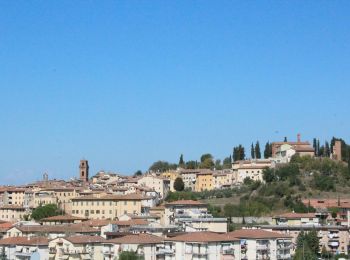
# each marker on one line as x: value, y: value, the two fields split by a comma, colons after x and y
x: 179, y: 184
x: 45, y: 211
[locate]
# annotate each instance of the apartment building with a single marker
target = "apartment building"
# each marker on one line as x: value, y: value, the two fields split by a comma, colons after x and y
x: 202, y: 245
x: 13, y: 196
x: 158, y: 184
x: 107, y: 206
x: 13, y: 213
x: 262, y: 244
x: 15, y: 248
x: 146, y: 246
x: 171, y: 176
x: 76, y: 247
x: 252, y: 169
x: 334, y: 238
x: 189, y: 178
x: 192, y: 216
x: 204, y: 180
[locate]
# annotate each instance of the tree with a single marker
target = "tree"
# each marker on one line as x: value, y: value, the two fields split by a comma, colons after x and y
x: 252, y: 151
x: 162, y: 166
x: 191, y: 165
x: 45, y: 211
x: 138, y: 173
x: 218, y: 165
x: 238, y: 153
x: 314, y: 145
x: 257, y: 150
x: 269, y: 175
x: 179, y: 184
x: 227, y: 163
x: 318, y: 147
x: 267, y: 150
x: 327, y: 150
x: 128, y: 255
x: 313, y: 241
x: 181, y: 161
x: 285, y: 139
x: 207, y: 161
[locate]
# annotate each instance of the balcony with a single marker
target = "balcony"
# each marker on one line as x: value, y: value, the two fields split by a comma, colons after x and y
x: 229, y: 251
x: 165, y: 251
x: 284, y: 256
x: 333, y: 235
x: 200, y: 251
x: 333, y: 243
x: 107, y: 251
x: 262, y: 247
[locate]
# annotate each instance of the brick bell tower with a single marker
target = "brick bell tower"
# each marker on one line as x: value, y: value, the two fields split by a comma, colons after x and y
x: 84, y: 170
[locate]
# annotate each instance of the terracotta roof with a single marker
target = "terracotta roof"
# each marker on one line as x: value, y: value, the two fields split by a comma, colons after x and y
x: 132, y: 196
x: 185, y: 202
x: 104, y: 222
x: 256, y: 234
x: 141, y: 238
x: 85, y: 239
x: 24, y: 241
x: 62, y: 218
x: 205, y: 236
x: 292, y: 215
x: 75, y: 228
x: 13, y: 207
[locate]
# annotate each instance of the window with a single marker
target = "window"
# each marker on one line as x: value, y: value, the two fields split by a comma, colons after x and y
x: 125, y: 202
x: 97, y: 203
x: 92, y: 211
x: 134, y: 202
x: 97, y: 212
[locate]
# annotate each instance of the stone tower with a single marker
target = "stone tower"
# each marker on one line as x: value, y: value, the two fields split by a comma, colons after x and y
x: 84, y: 170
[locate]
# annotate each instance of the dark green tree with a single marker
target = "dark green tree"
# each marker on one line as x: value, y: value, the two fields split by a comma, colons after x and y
x: 313, y: 241
x: 129, y: 255
x: 318, y: 148
x: 267, y: 150
x: 285, y: 139
x: 181, y: 161
x: 269, y: 175
x: 257, y: 150
x: 227, y: 163
x: 238, y: 153
x: 327, y: 150
x: 252, y: 151
x: 46, y: 211
x: 314, y: 145
x: 162, y: 166
x: 179, y: 184
x: 138, y: 173
x: 191, y: 165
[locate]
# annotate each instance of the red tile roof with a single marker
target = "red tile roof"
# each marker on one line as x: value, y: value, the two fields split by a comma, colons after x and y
x: 141, y: 238
x: 205, y: 236
x: 24, y: 241
x: 85, y: 239
x: 256, y: 234
x: 62, y: 218
x: 185, y: 202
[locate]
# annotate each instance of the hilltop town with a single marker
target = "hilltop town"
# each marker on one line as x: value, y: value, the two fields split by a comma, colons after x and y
x: 291, y: 202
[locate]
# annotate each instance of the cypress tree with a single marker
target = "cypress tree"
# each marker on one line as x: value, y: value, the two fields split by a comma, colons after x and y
x: 181, y: 160
x: 314, y: 145
x: 252, y: 152
x: 257, y: 150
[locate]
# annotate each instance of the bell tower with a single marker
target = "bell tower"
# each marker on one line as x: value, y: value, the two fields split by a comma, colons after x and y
x: 84, y: 170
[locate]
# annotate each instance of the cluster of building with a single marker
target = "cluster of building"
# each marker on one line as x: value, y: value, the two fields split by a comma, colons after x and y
x: 110, y: 213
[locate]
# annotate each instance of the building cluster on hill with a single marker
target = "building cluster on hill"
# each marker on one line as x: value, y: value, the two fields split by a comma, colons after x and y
x: 110, y: 214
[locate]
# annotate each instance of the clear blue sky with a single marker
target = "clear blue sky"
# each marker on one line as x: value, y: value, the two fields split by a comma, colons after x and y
x: 126, y: 83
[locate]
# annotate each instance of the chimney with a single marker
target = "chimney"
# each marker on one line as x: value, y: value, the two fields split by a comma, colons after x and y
x: 298, y: 137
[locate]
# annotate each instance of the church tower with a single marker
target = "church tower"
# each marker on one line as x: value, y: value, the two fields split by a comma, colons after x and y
x: 84, y: 170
